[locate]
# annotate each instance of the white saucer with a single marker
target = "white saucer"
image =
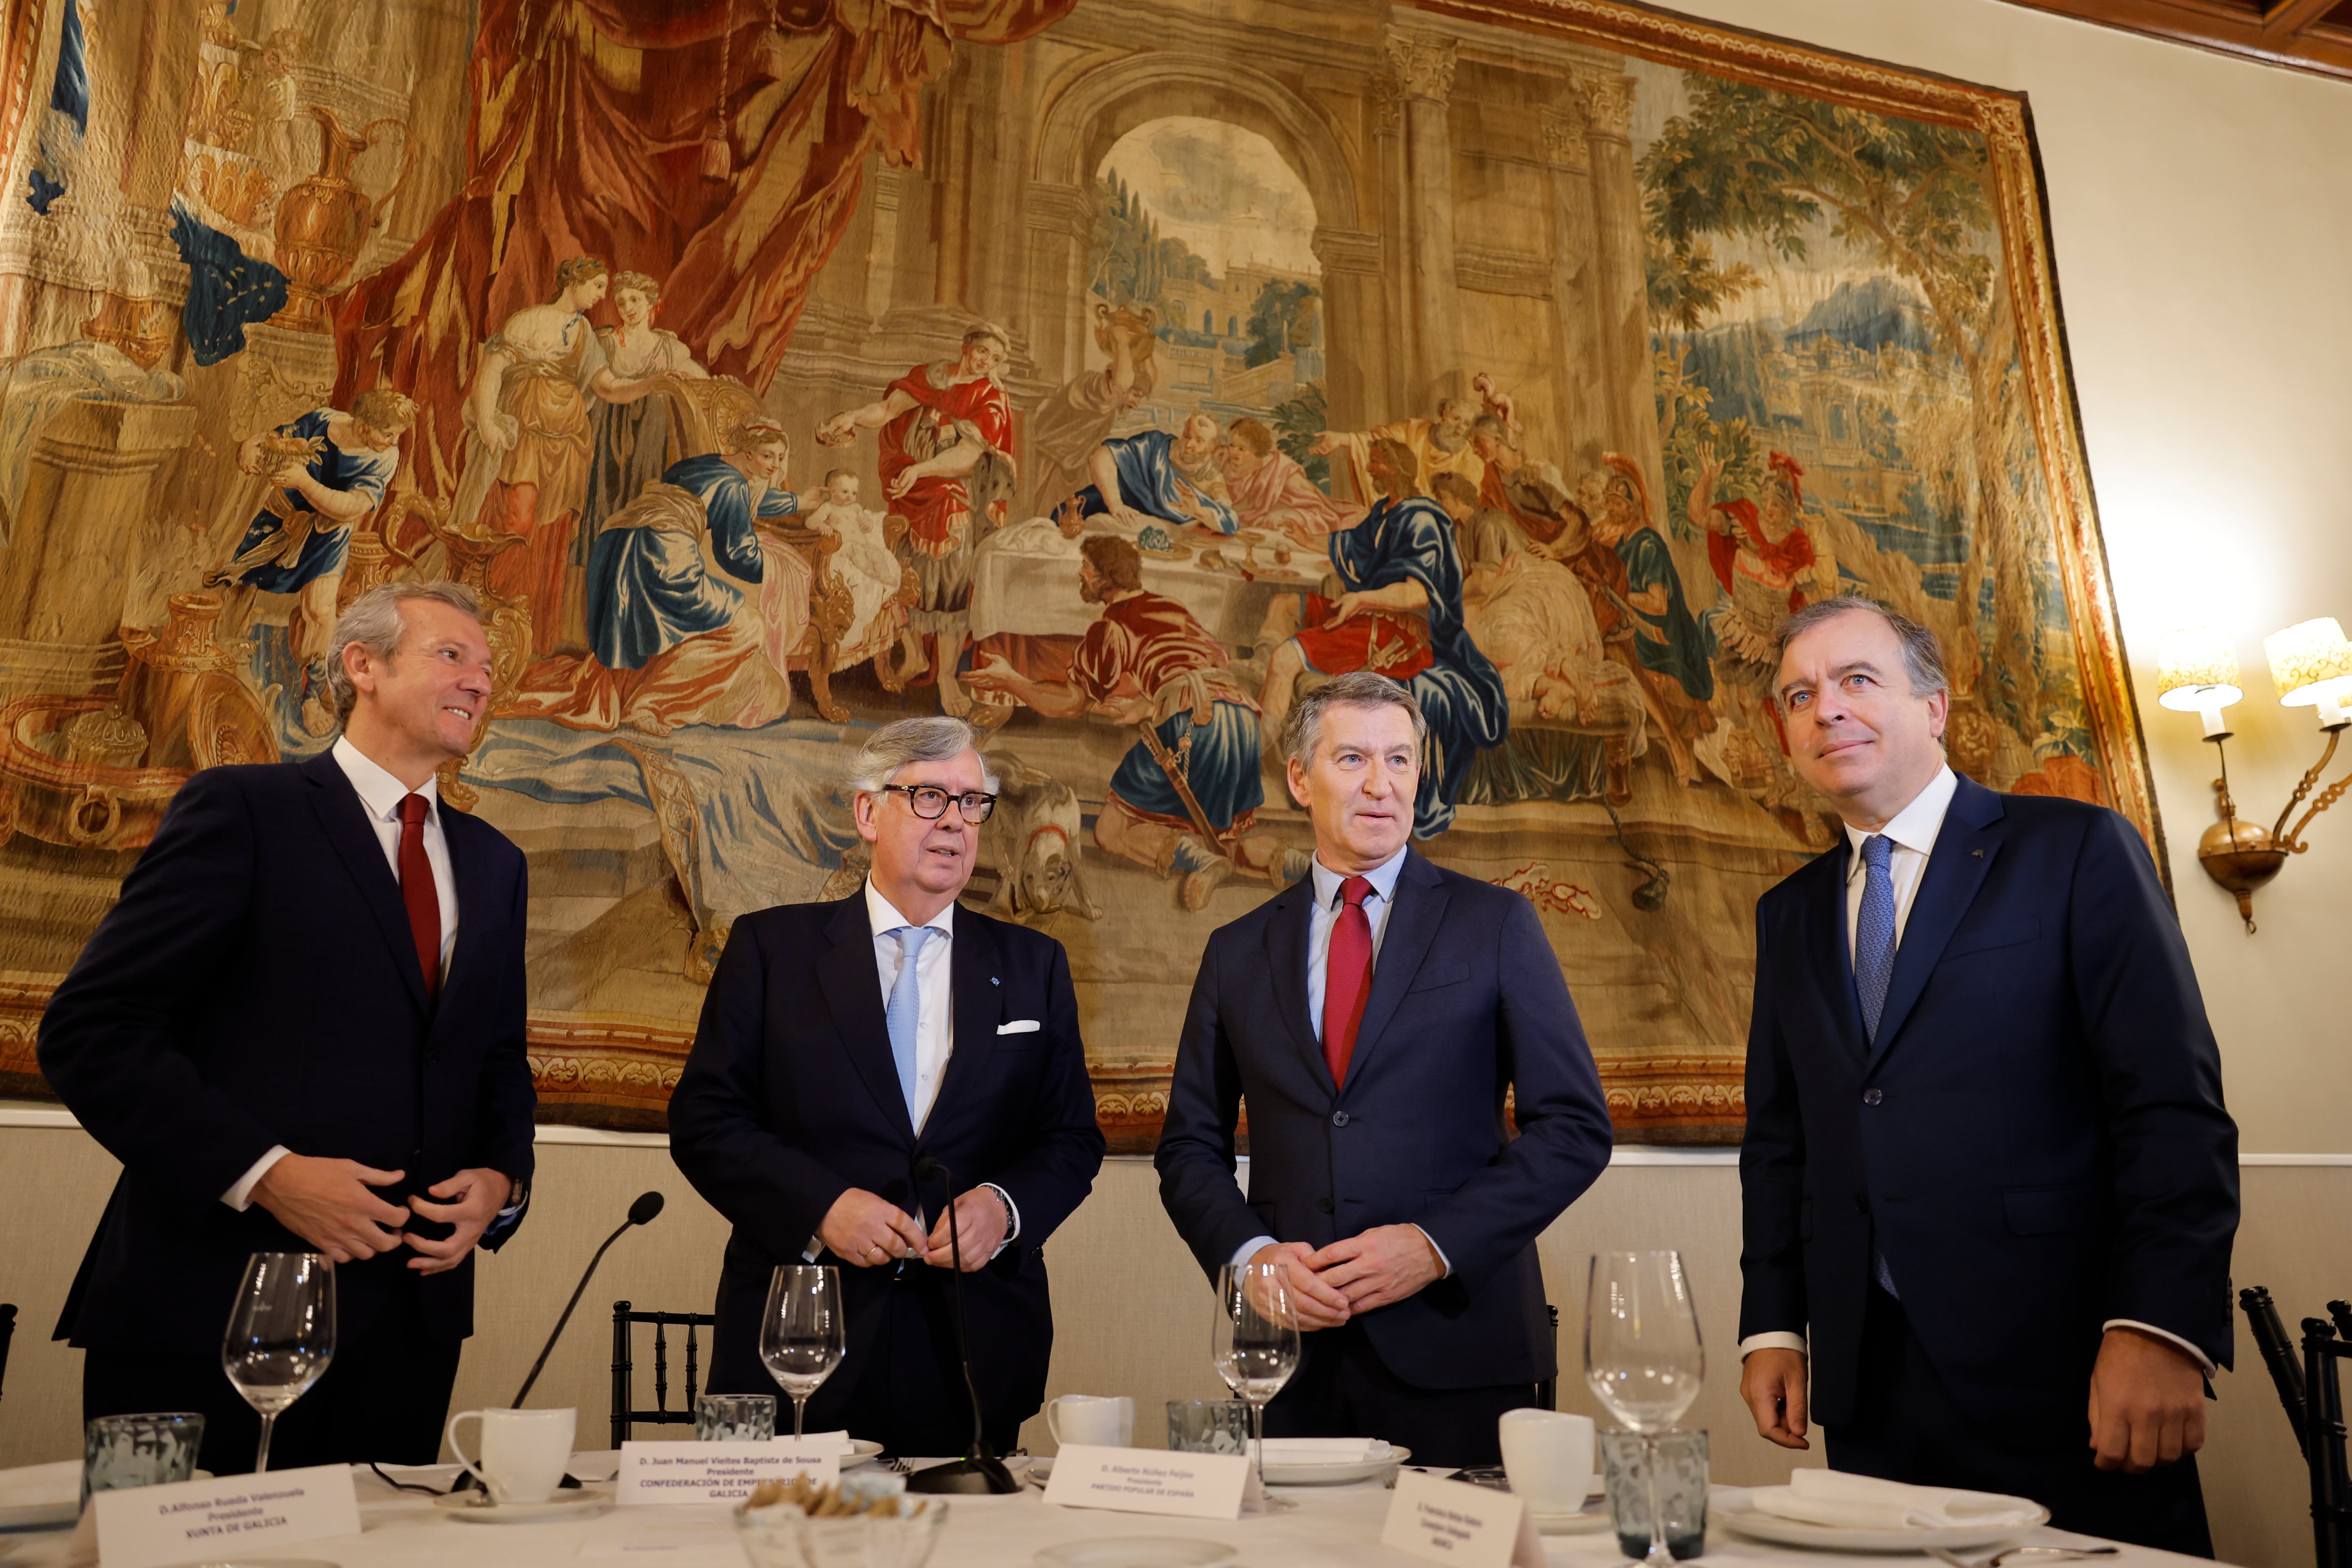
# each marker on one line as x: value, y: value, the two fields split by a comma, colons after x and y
x: 861, y: 1451
x: 1139, y: 1552
x: 1343, y: 1473
x: 1729, y: 1507
x: 465, y: 1508
x: 1584, y: 1521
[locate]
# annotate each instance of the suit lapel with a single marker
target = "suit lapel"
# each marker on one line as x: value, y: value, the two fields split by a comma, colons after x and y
x: 853, y: 989
x: 344, y: 820
x: 976, y: 995
x: 1421, y: 901
x: 1285, y: 958
x: 1965, y: 848
x: 1832, y: 954
x: 475, y: 914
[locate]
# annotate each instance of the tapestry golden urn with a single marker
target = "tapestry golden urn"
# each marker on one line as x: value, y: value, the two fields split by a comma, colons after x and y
x: 324, y: 220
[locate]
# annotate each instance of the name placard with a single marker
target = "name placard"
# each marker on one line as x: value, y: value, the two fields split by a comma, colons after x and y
x: 1457, y: 1523
x: 716, y: 1472
x: 187, y: 1521
x: 1148, y: 1480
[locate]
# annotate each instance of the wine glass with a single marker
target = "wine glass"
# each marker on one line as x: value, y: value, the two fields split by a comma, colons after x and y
x: 1255, y: 1339
x: 800, y: 1333
x: 1642, y: 1355
x: 282, y: 1333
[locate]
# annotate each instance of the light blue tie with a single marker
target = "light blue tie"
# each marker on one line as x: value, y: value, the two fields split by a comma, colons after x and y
x: 904, y: 1013
x: 1873, y: 967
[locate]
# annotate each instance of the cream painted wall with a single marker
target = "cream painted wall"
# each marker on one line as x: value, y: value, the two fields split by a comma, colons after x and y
x: 2201, y: 213
x: 1131, y: 1311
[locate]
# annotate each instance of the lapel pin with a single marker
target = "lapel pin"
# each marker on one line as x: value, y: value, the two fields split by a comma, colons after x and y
x: 1978, y: 853
x: 992, y: 979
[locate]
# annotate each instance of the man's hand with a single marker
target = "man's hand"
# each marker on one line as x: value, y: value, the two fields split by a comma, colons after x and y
x: 981, y: 1224
x: 1773, y: 1383
x: 2148, y: 1402
x: 1319, y: 1305
x: 471, y: 1200
x: 1323, y: 446
x: 327, y: 1204
x: 1385, y: 1264
x: 864, y: 1230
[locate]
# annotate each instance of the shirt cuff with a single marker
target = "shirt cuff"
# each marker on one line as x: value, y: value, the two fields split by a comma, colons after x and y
x: 815, y: 1245
x: 2204, y: 1363
x: 1012, y: 1213
x: 1249, y: 1248
x: 1779, y: 1339
x: 241, y: 1197
x: 1442, y: 1258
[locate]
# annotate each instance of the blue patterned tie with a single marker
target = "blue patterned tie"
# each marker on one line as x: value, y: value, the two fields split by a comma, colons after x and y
x: 905, y: 1012
x: 1873, y: 967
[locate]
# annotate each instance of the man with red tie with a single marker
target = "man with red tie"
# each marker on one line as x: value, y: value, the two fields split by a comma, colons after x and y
x: 1373, y: 1015
x: 301, y: 1029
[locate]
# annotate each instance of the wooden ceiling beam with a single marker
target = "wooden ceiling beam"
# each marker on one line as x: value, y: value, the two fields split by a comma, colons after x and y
x: 2288, y: 19
x: 2299, y: 44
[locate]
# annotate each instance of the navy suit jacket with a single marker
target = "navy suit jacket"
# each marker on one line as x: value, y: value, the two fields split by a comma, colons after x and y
x: 1466, y: 1001
x: 2037, y: 1141
x: 257, y: 984
x: 790, y: 1097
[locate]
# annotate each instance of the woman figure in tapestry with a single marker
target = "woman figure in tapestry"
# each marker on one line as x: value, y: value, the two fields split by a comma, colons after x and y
x: 946, y: 472
x: 633, y: 425
x: 330, y: 470
x: 1669, y: 649
x: 680, y: 601
x: 528, y: 440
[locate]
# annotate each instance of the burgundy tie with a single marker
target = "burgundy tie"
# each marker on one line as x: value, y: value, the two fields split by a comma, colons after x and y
x: 1347, y: 977
x: 417, y: 891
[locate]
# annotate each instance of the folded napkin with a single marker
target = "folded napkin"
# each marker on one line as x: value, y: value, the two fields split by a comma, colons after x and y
x: 37, y: 1486
x: 1865, y: 1502
x: 1325, y: 1450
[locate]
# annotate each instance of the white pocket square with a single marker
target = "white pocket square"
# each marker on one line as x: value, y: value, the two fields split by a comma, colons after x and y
x: 1019, y: 1026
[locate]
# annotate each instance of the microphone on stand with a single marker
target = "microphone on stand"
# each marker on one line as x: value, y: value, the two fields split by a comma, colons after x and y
x: 642, y: 1212
x: 979, y: 1471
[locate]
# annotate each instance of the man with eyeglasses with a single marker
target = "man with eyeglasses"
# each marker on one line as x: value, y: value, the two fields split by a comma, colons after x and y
x: 844, y: 1043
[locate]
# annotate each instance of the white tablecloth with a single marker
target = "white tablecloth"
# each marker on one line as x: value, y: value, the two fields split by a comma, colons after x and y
x: 1333, y: 1527
x: 1025, y: 578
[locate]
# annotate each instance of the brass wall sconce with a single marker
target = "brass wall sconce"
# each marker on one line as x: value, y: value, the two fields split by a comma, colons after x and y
x: 2311, y: 664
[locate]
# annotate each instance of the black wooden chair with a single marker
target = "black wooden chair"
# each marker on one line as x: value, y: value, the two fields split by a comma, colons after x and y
x: 8, y: 1332
x: 2312, y: 1395
x: 624, y: 1396
x: 1547, y: 1391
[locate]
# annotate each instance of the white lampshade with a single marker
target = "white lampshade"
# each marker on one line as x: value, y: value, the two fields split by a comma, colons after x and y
x: 2310, y: 662
x: 2196, y: 671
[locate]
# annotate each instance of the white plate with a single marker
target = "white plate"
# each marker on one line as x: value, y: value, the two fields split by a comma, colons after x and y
x: 861, y: 1451
x: 465, y: 1508
x: 1335, y: 1474
x: 40, y: 1497
x: 1139, y: 1552
x: 1584, y: 1521
x: 1729, y: 1507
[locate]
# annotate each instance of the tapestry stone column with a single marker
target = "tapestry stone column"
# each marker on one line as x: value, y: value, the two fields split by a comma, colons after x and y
x: 1353, y: 321
x: 1629, y: 423
x: 1585, y: 377
x: 1061, y: 226
x: 1422, y: 70
x: 86, y: 511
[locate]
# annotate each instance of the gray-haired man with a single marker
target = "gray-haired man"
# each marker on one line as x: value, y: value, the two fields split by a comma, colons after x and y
x: 843, y: 1045
x: 1373, y: 1015
x: 301, y: 1029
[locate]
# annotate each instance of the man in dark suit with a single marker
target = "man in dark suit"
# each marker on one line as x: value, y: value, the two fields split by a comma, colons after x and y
x: 844, y: 1043
x: 301, y: 1029
x: 1987, y: 1161
x: 1372, y: 1015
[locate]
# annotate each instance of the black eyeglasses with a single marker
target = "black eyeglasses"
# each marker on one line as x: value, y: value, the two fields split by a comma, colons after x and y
x: 931, y: 802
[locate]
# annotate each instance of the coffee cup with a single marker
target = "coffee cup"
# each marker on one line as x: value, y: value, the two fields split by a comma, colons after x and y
x: 1548, y: 1453
x: 523, y: 1451
x: 1092, y: 1421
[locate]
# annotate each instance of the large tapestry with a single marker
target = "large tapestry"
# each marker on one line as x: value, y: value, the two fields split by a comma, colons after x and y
x: 1106, y: 376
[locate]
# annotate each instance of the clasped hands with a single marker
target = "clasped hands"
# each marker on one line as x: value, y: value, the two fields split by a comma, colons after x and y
x: 1382, y: 1265
x: 331, y: 1204
x: 867, y: 1231
x: 2147, y: 1402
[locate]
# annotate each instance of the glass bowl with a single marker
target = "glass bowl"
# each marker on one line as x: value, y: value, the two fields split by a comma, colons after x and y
x: 784, y: 1537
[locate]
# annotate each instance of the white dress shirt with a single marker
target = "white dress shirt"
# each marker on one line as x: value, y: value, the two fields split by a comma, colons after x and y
x: 1319, y: 922
x: 381, y: 795
x: 1914, y: 830
x: 934, y: 1023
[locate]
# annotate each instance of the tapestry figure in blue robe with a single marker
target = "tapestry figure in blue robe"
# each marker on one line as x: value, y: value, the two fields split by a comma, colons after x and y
x: 648, y: 586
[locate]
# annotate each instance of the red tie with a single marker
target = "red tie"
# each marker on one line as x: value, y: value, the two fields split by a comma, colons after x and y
x: 417, y: 891
x: 1347, y: 977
